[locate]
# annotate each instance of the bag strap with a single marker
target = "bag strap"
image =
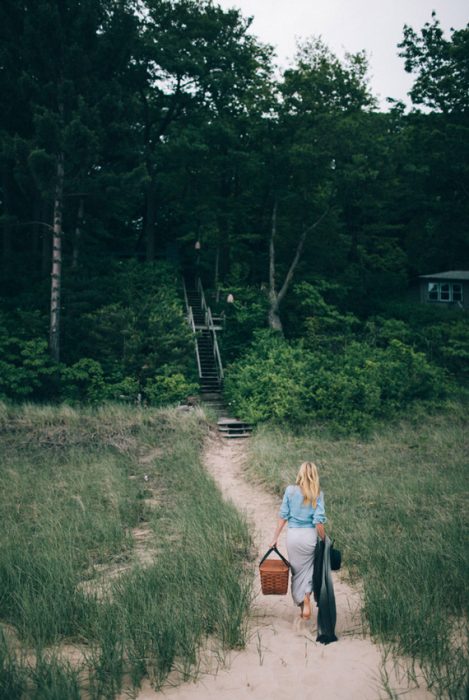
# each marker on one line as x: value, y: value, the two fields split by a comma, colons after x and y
x: 274, y: 549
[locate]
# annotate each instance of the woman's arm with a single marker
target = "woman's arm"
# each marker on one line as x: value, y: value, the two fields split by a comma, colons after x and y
x: 319, y: 517
x: 280, y: 526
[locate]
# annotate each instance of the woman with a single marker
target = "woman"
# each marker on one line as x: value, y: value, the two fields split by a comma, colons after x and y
x: 303, y: 508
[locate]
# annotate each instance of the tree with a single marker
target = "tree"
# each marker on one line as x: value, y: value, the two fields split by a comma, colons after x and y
x: 437, y: 172
x: 276, y: 296
x: 441, y: 66
x: 62, y: 69
x: 193, y: 58
x: 320, y: 97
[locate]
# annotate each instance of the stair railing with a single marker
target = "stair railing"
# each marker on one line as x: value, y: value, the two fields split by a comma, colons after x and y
x: 203, y: 303
x: 216, y: 349
x: 191, y: 322
x: 194, y: 332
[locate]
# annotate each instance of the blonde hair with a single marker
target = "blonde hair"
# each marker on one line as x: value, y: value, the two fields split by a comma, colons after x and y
x: 308, y: 481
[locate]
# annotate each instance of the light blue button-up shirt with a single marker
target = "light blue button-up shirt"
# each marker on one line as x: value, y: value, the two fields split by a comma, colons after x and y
x: 297, y: 513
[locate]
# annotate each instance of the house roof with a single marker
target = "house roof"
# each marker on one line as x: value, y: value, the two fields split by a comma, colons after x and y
x: 450, y: 275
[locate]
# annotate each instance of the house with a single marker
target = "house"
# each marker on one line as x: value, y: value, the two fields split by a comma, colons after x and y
x: 449, y: 289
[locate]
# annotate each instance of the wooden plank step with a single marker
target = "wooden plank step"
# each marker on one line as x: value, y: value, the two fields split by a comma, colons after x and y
x: 232, y: 422
x: 237, y: 436
x: 241, y: 426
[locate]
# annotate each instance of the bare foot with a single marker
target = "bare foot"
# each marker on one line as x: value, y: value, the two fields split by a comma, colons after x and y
x: 306, y: 608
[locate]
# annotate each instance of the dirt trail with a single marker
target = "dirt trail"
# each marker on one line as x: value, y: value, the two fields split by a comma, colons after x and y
x: 282, y: 660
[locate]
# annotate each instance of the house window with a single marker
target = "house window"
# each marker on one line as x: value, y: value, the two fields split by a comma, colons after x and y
x: 444, y: 291
x: 457, y: 292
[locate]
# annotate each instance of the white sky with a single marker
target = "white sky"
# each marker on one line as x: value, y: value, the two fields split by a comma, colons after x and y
x: 351, y: 25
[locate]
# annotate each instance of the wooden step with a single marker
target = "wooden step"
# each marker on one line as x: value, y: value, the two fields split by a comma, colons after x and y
x: 212, y: 396
x: 235, y: 431
x: 231, y: 435
x: 234, y: 428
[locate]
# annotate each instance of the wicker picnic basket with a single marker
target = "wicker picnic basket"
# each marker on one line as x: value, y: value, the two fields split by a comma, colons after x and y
x: 274, y: 574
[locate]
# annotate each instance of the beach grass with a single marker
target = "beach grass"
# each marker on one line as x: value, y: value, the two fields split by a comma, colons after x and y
x: 75, y: 487
x: 397, y: 507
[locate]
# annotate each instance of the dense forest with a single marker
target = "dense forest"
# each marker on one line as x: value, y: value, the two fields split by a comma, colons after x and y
x: 132, y: 129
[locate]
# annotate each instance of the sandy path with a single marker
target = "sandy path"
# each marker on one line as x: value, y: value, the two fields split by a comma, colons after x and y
x: 282, y: 660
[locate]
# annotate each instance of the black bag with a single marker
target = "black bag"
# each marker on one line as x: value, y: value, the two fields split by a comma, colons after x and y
x: 336, y: 557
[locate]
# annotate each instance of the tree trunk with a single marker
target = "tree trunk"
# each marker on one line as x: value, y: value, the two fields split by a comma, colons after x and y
x: 56, y: 274
x: 77, y: 236
x: 273, y: 317
x: 276, y: 298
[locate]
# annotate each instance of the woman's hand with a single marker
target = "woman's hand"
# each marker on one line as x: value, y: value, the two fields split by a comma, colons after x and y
x: 321, y: 531
x: 274, y: 544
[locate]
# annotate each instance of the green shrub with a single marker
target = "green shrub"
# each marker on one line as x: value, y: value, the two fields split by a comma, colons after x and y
x: 321, y: 324
x: 26, y: 369
x: 269, y: 381
x: 443, y: 334
x: 380, y: 331
x: 168, y: 388
x: 364, y: 383
x: 246, y: 315
x: 449, y: 345
x: 282, y: 380
x: 406, y: 374
x: 107, y: 332
x: 83, y: 381
x: 346, y: 396
x: 142, y: 327
x: 126, y: 389
x: 119, y: 331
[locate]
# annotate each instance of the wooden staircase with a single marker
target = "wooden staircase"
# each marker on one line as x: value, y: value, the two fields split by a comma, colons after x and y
x: 210, y: 377
x: 205, y: 326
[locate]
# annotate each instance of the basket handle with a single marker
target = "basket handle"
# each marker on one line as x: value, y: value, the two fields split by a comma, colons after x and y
x: 274, y: 549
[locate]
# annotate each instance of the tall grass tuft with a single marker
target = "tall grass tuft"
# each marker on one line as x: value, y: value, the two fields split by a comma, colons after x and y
x: 397, y: 506
x: 12, y: 676
x: 76, y: 485
x: 54, y: 679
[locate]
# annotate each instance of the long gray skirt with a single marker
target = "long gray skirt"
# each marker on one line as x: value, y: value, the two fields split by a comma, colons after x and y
x: 301, y: 543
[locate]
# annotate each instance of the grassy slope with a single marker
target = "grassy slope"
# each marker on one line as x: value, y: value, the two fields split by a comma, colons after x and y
x: 72, y: 488
x: 397, y: 506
